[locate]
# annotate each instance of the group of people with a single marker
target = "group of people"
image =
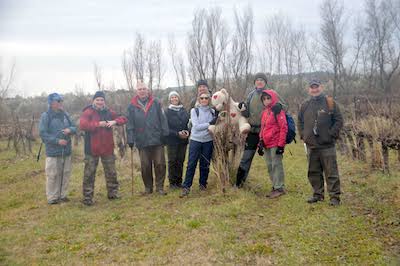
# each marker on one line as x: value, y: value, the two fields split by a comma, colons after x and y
x: 150, y: 127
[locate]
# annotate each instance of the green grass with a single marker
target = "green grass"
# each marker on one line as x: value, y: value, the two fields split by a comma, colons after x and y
x: 240, y: 227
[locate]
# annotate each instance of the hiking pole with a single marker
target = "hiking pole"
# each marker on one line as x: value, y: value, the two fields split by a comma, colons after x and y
x: 132, y: 169
x: 40, y: 151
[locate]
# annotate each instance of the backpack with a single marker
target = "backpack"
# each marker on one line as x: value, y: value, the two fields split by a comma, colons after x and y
x: 50, y: 118
x: 196, y: 109
x: 291, y: 133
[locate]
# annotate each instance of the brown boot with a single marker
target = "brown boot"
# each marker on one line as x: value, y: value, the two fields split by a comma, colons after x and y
x: 277, y: 193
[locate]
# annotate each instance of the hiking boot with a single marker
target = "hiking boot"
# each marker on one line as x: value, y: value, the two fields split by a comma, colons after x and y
x: 269, y: 194
x: 52, y: 202
x: 114, y: 197
x: 146, y: 193
x: 185, y: 192
x: 240, y: 177
x: 65, y: 199
x: 202, y: 188
x: 277, y: 193
x: 87, y: 202
x: 161, y: 192
x: 314, y: 199
x: 334, y: 202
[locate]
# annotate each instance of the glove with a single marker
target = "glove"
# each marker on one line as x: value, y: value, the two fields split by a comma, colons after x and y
x: 260, y: 148
x: 214, y: 121
x: 277, y: 108
x: 241, y: 105
x: 130, y: 145
x: 280, y: 150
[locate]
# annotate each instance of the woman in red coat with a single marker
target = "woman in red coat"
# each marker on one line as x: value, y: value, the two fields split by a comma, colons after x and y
x: 273, y: 139
x: 97, y: 121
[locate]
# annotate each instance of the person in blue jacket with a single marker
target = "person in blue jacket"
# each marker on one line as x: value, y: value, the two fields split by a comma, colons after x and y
x: 55, y: 129
x: 201, y: 143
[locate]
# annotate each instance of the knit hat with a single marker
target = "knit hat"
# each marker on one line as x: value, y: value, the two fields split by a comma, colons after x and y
x: 173, y: 93
x: 201, y: 82
x: 99, y: 94
x: 261, y: 75
x: 54, y: 97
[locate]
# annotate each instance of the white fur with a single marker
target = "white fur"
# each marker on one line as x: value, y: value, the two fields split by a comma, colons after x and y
x: 219, y: 100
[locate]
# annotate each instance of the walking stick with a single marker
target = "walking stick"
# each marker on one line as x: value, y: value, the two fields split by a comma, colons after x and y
x: 132, y: 169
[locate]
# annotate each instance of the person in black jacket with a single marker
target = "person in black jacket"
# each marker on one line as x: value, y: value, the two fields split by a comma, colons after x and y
x: 177, y: 139
x: 319, y: 124
x: 147, y: 128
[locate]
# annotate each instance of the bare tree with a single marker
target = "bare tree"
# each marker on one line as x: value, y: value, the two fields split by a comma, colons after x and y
x: 276, y: 30
x: 7, y: 80
x: 384, y: 42
x: 174, y: 58
x: 216, y: 33
x: 139, y: 56
x: 332, y: 35
x: 197, y: 46
x: 128, y: 67
x: 98, y: 75
x: 241, y: 54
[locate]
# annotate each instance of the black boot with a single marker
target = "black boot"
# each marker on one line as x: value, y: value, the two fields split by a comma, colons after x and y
x: 240, y: 177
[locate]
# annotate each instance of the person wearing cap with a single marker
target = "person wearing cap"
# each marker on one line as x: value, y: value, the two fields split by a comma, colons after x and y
x: 319, y: 124
x: 272, y: 140
x: 201, y: 143
x: 97, y: 121
x: 147, y: 129
x: 254, y: 108
x: 55, y: 129
x: 177, y: 139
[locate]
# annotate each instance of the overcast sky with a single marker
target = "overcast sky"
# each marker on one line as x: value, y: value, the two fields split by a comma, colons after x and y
x: 54, y: 43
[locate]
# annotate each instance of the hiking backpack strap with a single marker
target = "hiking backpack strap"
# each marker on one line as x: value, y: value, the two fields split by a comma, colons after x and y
x: 331, y: 104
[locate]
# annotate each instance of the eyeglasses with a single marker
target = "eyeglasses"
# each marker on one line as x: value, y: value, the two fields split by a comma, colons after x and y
x: 204, y: 98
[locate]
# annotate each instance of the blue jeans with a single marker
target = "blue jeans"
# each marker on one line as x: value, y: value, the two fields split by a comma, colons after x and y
x: 198, y: 151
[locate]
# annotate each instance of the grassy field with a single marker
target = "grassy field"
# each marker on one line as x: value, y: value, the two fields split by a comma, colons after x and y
x: 241, y: 227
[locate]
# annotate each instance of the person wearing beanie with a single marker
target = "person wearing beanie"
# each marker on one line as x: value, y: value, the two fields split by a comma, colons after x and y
x: 272, y: 141
x: 201, y: 144
x: 97, y: 121
x: 319, y: 123
x: 201, y: 87
x: 177, y: 139
x: 147, y: 129
x: 254, y: 108
x: 55, y: 129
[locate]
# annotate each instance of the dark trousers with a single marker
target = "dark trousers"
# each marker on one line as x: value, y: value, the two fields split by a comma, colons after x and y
x: 320, y: 162
x: 176, y: 157
x: 198, y: 151
x: 89, y: 175
x: 247, y: 158
x: 149, y: 157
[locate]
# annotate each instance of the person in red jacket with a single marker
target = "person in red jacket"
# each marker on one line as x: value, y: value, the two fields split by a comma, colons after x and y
x: 97, y: 120
x: 273, y: 139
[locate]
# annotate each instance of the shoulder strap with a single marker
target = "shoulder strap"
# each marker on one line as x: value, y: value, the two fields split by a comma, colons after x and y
x: 330, y: 102
x: 196, y: 109
x: 67, y: 117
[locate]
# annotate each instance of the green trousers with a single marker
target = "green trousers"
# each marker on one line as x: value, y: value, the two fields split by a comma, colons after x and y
x: 275, y: 167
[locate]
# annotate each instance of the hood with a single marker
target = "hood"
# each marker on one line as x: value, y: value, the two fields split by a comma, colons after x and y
x: 274, y: 96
